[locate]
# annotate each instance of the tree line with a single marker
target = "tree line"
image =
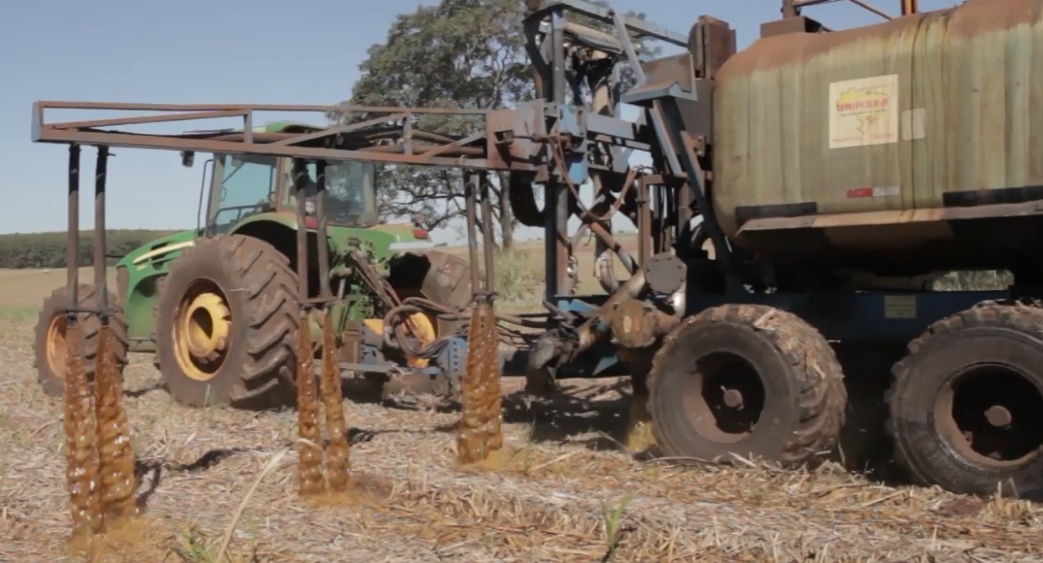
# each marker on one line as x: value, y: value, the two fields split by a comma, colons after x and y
x: 48, y: 250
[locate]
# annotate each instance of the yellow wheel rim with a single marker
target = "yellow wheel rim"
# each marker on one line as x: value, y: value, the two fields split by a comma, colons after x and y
x: 423, y: 329
x: 55, y: 345
x: 201, y: 331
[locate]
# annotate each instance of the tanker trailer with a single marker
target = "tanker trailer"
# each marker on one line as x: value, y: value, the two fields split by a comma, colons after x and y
x: 894, y: 151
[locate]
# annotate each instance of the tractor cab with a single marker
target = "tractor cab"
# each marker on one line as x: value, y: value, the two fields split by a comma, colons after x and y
x: 245, y: 185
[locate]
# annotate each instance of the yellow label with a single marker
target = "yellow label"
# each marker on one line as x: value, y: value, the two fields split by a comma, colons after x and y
x: 899, y: 306
x: 863, y: 112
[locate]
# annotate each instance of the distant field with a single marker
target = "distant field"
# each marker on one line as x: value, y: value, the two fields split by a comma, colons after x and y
x: 22, y: 291
x: 519, y: 278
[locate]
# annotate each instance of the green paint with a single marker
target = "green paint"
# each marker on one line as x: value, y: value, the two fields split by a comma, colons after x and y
x: 253, y: 196
x: 145, y: 266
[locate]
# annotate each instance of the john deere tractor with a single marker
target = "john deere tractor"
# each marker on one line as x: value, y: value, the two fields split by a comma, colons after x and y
x: 218, y: 306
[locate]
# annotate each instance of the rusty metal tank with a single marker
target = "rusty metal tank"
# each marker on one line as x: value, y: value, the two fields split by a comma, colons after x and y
x: 899, y: 148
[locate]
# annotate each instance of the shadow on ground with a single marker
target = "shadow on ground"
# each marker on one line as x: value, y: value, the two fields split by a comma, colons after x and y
x: 599, y: 418
x: 152, y: 470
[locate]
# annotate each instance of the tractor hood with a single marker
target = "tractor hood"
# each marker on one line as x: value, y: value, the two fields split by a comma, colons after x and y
x: 157, y: 249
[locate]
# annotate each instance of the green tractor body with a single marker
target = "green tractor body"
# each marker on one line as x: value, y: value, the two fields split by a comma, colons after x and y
x: 218, y: 305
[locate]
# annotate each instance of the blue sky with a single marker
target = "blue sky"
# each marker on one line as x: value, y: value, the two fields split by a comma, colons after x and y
x: 232, y: 51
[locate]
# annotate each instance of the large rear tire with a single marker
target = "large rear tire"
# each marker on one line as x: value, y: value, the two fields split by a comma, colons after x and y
x: 746, y: 380
x: 966, y: 404
x: 226, y: 325
x: 49, y: 347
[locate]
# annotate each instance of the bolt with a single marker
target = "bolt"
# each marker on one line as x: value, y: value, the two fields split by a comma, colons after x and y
x: 733, y: 398
x: 998, y: 416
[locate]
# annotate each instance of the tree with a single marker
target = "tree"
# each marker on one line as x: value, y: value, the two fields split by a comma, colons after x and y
x: 463, y: 54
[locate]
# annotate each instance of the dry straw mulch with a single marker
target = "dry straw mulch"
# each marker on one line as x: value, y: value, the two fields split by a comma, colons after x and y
x: 565, y: 495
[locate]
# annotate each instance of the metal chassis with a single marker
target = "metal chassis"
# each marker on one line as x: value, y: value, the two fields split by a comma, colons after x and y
x: 518, y: 140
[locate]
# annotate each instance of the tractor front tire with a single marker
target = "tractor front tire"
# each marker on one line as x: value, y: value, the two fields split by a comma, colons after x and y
x: 226, y: 325
x: 49, y: 348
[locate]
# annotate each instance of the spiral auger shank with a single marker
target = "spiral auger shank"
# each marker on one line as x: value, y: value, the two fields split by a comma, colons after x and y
x: 480, y: 432
x: 99, y: 456
x: 492, y: 408
x: 116, y: 456
x: 338, y: 460
x: 309, y: 468
x: 80, y: 440
x: 481, y: 416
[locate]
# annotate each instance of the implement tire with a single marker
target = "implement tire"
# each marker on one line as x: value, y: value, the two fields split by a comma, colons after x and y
x: 966, y: 403
x: 444, y: 279
x: 746, y: 380
x: 226, y: 325
x: 49, y: 347
x: 437, y: 276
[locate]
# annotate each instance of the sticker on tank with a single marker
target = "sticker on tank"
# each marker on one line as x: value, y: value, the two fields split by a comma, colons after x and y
x: 863, y: 112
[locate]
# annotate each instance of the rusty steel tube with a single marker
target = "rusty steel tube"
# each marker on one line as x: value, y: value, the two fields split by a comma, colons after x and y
x: 474, y: 440
x: 300, y: 184
x: 72, y: 243
x: 309, y: 467
x: 81, y: 471
x: 492, y: 402
x: 101, y: 170
x: 470, y: 193
x: 81, y: 453
x: 488, y: 241
x: 115, y: 455
x: 338, y: 461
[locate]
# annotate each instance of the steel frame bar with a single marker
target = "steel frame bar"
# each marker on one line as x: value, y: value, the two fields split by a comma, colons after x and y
x: 101, y: 170
x: 72, y: 251
x: 338, y: 143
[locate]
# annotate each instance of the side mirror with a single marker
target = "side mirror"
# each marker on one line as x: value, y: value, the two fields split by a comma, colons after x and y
x: 188, y: 158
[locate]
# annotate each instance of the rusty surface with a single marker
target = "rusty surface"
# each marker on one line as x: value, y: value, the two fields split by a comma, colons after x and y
x: 480, y: 433
x: 338, y: 461
x: 637, y: 324
x: 99, y: 456
x: 470, y: 204
x: 959, y: 125
x: 309, y: 467
x: 80, y: 440
x: 711, y: 42
x: 488, y: 240
x: 493, y: 402
x: 116, y: 456
x: 479, y: 150
x: 797, y: 24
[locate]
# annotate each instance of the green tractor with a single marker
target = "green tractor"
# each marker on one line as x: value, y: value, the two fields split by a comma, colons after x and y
x: 218, y: 306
